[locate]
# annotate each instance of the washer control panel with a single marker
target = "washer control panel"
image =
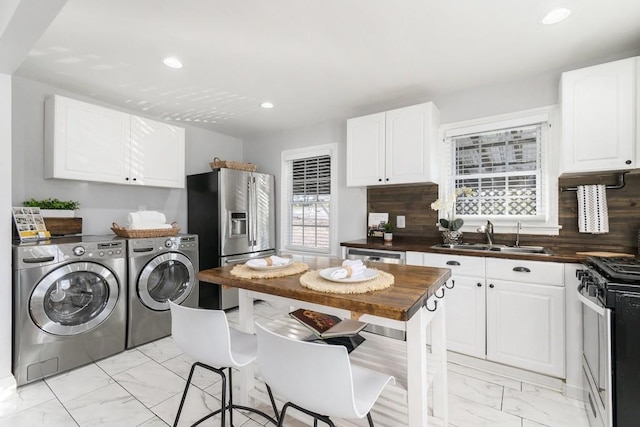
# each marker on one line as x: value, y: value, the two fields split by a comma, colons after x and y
x: 104, y: 250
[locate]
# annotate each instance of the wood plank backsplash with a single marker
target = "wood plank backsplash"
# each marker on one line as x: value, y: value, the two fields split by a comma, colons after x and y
x: 414, y: 202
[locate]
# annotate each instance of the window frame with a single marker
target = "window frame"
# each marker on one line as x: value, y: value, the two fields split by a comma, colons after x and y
x: 287, y: 156
x: 547, y: 222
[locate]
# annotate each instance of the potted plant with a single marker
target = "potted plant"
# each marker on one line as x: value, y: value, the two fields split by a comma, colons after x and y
x: 450, y: 224
x: 388, y: 232
x: 54, y: 208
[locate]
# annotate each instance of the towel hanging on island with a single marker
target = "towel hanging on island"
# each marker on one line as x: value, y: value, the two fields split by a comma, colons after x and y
x: 593, y: 215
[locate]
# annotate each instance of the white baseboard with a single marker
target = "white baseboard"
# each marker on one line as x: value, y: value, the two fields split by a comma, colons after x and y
x: 7, y: 387
x: 573, y: 392
x: 507, y: 371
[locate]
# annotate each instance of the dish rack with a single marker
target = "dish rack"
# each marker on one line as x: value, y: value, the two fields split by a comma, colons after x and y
x: 230, y: 164
x: 152, y: 232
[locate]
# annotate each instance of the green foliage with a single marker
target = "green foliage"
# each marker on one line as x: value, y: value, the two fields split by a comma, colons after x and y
x: 52, y: 204
x: 454, y: 225
x: 388, y: 227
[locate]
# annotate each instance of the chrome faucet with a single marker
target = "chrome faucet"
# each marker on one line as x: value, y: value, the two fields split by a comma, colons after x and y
x: 518, y: 227
x: 488, y: 231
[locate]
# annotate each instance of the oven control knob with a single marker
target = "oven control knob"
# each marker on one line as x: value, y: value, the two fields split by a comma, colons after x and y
x: 168, y: 243
x: 78, y: 251
x: 592, y: 289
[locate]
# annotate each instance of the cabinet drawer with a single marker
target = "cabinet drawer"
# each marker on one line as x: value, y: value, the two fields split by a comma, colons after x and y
x: 459, y: 264
x: 549, y: 273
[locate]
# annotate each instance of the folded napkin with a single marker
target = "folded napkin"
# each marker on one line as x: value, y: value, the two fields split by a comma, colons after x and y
x: 593, y: 215
x: 271, y: 261
x: 146, y: 217
x: 350, y: 268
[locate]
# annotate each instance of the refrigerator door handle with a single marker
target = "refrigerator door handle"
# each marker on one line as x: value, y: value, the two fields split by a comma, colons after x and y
x: 254, y: 208
x: 250, y: 213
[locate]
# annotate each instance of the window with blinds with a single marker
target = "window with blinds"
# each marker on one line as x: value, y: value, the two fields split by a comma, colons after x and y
x: 309, y: 203
x: 503, y: 168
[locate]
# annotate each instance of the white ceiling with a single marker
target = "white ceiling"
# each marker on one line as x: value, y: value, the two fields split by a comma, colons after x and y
x: 315, y: 60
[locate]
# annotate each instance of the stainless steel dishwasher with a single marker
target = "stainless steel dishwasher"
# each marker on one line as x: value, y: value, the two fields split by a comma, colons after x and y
x: 375, y: 256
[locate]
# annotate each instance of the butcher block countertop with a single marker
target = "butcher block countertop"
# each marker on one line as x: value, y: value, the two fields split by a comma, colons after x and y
x: 412, y: 287
x: 423, y: 245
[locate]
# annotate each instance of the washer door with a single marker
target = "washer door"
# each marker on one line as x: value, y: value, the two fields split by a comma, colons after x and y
x: 169, y: 276
x: 74, y: 298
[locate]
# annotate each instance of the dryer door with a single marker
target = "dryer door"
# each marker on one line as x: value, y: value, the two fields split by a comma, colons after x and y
x: 169, y: 276
x: 74, y: 298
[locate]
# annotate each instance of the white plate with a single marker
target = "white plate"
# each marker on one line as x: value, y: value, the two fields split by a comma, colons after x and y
x: 268, y: 267
x: 367, y: 274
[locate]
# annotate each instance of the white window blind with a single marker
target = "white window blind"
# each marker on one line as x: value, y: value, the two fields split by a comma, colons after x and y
x: 504, y: 170
x: 310, y: 203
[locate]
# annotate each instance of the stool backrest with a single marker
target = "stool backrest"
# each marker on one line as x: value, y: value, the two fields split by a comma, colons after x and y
x: 202, y: 334
x: 315, y: 376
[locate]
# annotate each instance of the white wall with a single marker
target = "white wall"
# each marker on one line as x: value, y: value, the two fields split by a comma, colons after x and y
x: 101, y: 204
x: 352, y: 202
x: 6, y: 380
x: 264, y: 150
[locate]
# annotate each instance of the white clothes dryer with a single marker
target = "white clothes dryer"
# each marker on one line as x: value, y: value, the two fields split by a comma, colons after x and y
x: 69, y: 304
x: 160, y: 269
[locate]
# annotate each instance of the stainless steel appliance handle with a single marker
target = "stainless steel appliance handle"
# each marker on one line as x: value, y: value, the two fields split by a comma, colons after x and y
x: 250, y: 213
x: 590, y: 304
x: 254, y: 208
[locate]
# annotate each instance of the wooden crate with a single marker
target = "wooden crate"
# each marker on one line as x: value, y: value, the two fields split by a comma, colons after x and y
x: 63, y: 226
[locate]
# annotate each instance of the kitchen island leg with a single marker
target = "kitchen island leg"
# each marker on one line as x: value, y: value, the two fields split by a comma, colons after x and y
x: 439, y: 355
x: 247, y: 374
x: 417, y: 369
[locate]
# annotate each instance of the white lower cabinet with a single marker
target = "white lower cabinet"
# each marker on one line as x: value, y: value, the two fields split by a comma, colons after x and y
x: 525, y: 326
x: 516, y: 321
x: 465, y: 317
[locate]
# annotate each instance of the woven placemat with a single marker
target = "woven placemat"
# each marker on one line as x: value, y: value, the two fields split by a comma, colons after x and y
x: 244, y: 272
x: 313, y: 280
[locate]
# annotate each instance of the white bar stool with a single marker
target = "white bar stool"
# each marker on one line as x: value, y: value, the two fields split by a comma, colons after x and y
x: 317, y: 379
x: 205, y: 336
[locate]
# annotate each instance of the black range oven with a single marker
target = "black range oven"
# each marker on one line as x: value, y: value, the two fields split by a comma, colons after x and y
x: 609, y: 291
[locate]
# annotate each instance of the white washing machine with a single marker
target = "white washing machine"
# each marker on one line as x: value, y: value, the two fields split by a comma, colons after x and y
x: 69, y: 304
x: 160, y: 269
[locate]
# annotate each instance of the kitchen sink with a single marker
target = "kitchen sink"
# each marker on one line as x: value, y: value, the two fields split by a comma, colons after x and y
x: 479, y: 247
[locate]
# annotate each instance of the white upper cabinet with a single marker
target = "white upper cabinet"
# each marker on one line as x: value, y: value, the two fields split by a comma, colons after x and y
x: 157, y: 153
x: 85, y: 142
x: 599, y: 118
x: 91, y: 143
x: 393, y: 147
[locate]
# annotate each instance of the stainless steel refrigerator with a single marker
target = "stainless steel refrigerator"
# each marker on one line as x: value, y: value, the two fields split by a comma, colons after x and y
x: 233, y: 214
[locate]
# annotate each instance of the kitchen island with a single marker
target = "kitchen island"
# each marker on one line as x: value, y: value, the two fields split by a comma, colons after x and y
x: 413, y: 303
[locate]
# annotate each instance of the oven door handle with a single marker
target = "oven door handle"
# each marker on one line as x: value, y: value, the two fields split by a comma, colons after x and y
x: 590, y: 304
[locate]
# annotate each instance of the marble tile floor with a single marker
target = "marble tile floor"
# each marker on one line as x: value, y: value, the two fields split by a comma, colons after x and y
x: 143, y: 386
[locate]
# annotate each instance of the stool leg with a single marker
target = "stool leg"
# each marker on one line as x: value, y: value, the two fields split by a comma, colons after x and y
x: 370, y: 419
x: 230, y: 398
x: 184, y: 395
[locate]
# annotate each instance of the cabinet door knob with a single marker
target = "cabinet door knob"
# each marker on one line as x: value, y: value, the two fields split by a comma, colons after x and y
x: 387, y: 179
x: 491, y: 285
x: 479, y: 285
x: 379, y: 179
x: 135, y: 179
x: 126, y: 179
x: 628, y: 162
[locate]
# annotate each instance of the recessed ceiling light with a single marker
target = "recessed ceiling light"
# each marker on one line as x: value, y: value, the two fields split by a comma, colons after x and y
x: 556, y: 15
x: 172, y: 62
x: 266, y: 105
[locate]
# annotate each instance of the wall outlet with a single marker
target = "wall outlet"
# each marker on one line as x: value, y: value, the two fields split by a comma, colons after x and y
x: 400, y: 221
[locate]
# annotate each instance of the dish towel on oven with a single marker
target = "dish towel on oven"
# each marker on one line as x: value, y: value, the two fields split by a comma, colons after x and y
x: 593, y: 216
